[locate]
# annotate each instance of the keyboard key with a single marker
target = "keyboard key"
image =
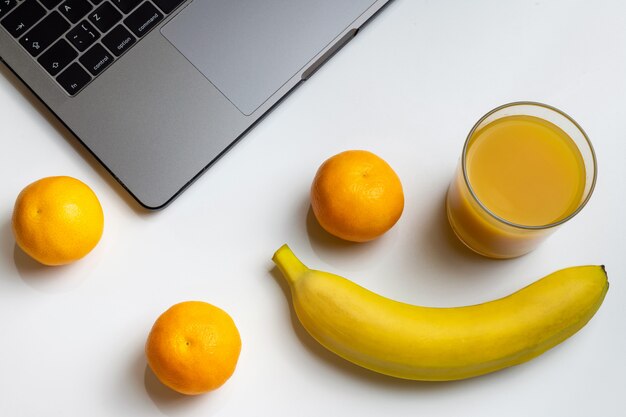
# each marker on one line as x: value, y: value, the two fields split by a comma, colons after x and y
x: 73, y: 78
x: 50, y: 4
x: 143, y: 19
x: 57, y: 57
x: 96, y: 2
x: 6, y: 5
x: 23, y: 17
x: 96, y: 59
x: 83, y: 36
x: 168, y: 5
x: 105, y: 17
x: 74, y: 10
x: 44, y: 33
x: 119, y: 40
x: 126, y: 5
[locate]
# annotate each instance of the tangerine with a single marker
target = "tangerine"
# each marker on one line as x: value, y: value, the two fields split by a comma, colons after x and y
x: 356, y: 196
x: 193, y: 347
x: 57, y: 220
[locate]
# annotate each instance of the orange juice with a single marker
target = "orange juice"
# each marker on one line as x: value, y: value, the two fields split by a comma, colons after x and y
x: 526, y: 170
x: 521, y: 175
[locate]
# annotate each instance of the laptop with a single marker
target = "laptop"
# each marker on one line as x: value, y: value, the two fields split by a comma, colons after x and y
x: 159, y: 90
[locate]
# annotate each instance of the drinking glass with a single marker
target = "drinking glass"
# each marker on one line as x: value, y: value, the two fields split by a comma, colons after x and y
x: 477, y: 224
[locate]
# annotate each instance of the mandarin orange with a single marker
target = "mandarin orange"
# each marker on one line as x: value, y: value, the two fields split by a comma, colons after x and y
x: 193, y: 347
x: 57, y: 220
x: 356, y: 196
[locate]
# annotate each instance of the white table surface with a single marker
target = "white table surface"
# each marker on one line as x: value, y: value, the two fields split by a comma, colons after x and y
x: 408, y: 88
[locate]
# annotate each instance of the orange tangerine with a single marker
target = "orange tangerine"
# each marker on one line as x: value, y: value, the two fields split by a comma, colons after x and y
x: 356, y: 196
x: 193, y: 347
x: 57, y: 220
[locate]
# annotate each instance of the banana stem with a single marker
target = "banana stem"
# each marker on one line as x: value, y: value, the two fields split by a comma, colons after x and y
x: 289, y: 264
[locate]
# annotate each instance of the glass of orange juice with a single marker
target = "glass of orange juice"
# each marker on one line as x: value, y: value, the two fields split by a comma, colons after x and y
x: 526, y: 169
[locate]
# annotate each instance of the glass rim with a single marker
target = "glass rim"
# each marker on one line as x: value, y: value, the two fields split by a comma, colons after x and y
x: 503, y: 220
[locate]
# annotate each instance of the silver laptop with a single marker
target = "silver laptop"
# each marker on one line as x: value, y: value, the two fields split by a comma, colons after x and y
x: 158, y: 90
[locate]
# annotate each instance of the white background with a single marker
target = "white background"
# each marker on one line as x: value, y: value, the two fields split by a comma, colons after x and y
x: 408, y: 87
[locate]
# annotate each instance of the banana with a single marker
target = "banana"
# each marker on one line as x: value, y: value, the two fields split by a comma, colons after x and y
x: 441, y: 344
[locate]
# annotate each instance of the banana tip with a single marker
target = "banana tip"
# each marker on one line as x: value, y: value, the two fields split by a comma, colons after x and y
x: 288, y: 263
x: 284, y: 248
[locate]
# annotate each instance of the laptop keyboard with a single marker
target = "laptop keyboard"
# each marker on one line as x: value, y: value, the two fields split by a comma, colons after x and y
x: 76, y: 40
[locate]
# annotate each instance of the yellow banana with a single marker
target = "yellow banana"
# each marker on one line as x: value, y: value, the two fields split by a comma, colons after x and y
x: 440, y: 344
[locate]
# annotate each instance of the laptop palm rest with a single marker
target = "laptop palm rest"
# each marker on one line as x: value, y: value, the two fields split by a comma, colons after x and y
x: 249, y: 49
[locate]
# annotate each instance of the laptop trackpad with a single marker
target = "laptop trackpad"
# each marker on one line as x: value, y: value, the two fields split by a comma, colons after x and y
x: 248, y: 48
